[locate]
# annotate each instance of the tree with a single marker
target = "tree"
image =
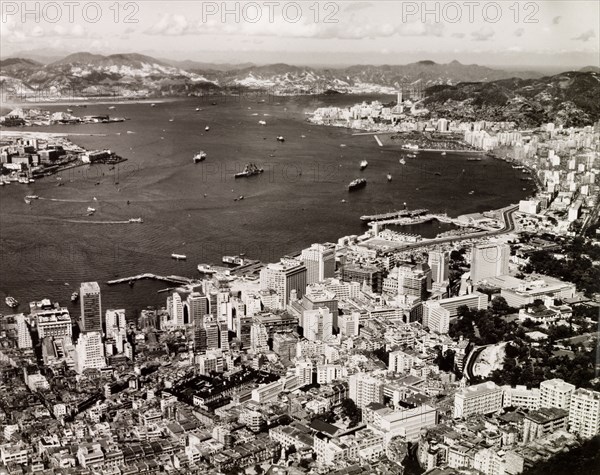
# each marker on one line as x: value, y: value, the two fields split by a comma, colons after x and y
x: 499, y: 306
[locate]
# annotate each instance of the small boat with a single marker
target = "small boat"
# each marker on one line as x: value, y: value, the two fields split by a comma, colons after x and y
x: 342, y: 145
x: 343, y: 201
x: 412, y: 155
x: 402, y: 161
x: 437, y: 174
x: 206, y: 269
x: 524, y: 189
x: 171, y: 120
x: 136, y: 220
x: 207, y: 128
x: 471, y: 192
x: 11, y: 302
x: 262, y: 122
x: 200, y: 156
x: 130, y: 132
x: 389, y: 177
x: 27, y: 201
x: 111, y: 108
x: 74, y: 296
x: 179, y: 257
x: 69, y: 110
x: 443, y: 153
x: 131, y: 282
x: 363, y: 164
x: 280, y: 138
x: 153, y: 105
x: 239, y: 198
x: 91, y: 210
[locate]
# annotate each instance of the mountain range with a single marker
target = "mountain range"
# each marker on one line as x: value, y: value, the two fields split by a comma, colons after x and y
x: 453, y: 89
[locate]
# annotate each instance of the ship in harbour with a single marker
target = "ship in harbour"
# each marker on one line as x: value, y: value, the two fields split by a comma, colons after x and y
x: 249, y: 170
x: 364, y: 164
x: 357, y: 184
x: 11, y: 302
x: 200, y: 156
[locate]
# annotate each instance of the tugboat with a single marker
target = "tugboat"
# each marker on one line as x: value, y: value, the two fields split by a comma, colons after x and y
x: 74, y: 296
x: 363, y: 164
x: 11, y: 302
x: 357, y: 184
x: 249, y: 170
x: 200, y: 156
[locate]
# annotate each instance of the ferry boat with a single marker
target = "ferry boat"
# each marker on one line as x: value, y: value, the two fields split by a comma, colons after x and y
x: 74, y: 296
x: 136, y: 220
x: 179, y: 257
x: 363, y: 164
x: 249, y: 170
x: 389, y: 177
x: 357, y: 184
x: 206, y: 269
x: 11, y: 302
x: 236, y: 260
x: 402, y: 161
x: 200, y: 156
x: 280, y: 138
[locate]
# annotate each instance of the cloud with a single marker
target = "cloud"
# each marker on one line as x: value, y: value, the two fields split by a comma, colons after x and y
x: 519, y: 32
x: 457, y: 35
x: 179, y: 25
x: 556, y: 20
x: 585, y: 36
x: 483, y: 34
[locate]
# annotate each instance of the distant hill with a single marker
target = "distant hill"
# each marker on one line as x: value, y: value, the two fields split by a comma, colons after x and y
x: 569, y: 98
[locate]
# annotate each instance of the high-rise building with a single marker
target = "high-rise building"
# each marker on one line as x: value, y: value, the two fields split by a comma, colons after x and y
x: 556, y: 393
x: 23, y: 333
x: 319, y: 260
x: 212, y: 333
x: 584, y: 413
x: 304, y: 372
x: 439, y: 262
x: 489, y: 260
x: 89, y: 352
x: 197, y: 307
x: 437, y: 313
x: 318, y: 324
x: 175, y: 309
x: 284, y: 345
x: 321, y: 298
x: 54, y: 322
x: 348, y: 324
x: 371, y: 275
x: 91, y: 307
x: 115, y: 323
x: 244, y: 326
x: 408, y: 279
x: 483, y: 398
x: 283, y: 277
x: 365, y: 389
x: 259, y: 337
x: 326, y: 373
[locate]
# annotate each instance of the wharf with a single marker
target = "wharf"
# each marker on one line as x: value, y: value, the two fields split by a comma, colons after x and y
x: 405, y: 213
x: 176, y: 279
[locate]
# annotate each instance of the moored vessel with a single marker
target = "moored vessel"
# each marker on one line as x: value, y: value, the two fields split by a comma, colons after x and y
x: 11, y: 302
x: 357, y: 184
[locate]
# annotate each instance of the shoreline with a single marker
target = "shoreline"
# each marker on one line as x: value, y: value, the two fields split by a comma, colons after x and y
x: 87, y: 101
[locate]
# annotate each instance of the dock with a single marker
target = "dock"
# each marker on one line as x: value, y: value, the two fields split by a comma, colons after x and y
x: 175, y: 279
x: 404, y: 213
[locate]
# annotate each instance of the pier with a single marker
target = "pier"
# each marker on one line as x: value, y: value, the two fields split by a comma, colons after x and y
x: 404, y: 213
x: 175, y: 279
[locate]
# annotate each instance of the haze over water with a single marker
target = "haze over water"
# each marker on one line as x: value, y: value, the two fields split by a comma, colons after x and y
x: 295, y: 202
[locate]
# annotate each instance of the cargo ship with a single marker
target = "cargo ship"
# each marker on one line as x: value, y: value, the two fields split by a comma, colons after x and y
x: 357, y: 184
x: 11, y: 302
x: 249, y: 170
x: 364, y: 164
x: 200, y: 156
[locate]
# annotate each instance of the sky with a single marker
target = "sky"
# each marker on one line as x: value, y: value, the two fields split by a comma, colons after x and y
x: 516, y: 34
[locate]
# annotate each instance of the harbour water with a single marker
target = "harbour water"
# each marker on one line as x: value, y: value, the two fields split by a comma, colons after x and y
x: 189, y: 208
